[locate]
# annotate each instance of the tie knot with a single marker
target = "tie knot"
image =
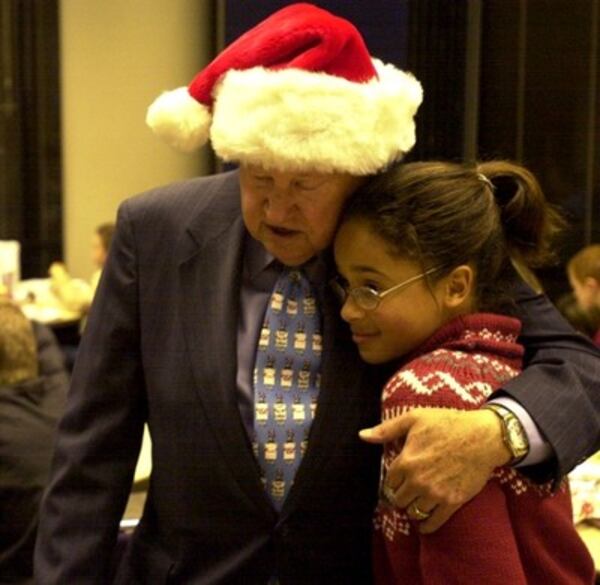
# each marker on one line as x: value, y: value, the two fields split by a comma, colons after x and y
x: 293, y: 294
x: 296, y: 275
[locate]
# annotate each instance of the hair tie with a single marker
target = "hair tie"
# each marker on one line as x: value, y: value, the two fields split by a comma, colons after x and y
x: 485, y: 180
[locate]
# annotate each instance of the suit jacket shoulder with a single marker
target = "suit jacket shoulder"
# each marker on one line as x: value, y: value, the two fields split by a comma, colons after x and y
x: 176, y: 204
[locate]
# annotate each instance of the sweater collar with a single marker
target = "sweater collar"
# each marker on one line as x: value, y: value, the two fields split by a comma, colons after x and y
x: 476, y: 333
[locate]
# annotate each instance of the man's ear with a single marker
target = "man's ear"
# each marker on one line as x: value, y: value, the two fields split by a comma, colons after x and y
x: 459, y: 286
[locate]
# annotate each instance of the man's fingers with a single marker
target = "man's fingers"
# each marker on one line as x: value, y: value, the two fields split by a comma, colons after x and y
x: 439, y: 516
x: 405, y: 494
x: 420, y: 510
x: 389, y: 430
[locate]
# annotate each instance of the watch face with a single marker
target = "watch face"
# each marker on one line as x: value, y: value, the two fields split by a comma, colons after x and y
x: 516, y: 437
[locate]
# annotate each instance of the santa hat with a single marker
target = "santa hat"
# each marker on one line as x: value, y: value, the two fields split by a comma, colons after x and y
x: 298, y: 92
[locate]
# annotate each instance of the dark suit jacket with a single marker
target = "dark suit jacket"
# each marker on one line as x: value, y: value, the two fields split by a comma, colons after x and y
x: 160, y: 346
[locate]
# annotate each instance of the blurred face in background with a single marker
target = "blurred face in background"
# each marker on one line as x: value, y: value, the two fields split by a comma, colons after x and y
x: 98, y: 251
x: 586, y: 291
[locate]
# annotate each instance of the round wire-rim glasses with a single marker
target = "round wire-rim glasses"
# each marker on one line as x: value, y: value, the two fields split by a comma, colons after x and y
x: 368, y: 298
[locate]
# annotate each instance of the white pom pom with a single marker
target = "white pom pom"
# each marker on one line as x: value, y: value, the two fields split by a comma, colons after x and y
x: 181, y: 121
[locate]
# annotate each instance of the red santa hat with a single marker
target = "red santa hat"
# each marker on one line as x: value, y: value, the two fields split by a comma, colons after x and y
x: 298, y: 92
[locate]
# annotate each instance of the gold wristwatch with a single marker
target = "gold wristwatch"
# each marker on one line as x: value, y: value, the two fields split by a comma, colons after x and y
x: 513, y: 434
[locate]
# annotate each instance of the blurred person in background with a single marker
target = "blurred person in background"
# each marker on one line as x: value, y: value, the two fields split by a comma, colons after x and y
x: 33, y: 387
x: 77, y: 294
x: 583, y: 270
x: 586, y: 322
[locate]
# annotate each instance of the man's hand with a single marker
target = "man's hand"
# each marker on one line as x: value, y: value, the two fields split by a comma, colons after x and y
x: 446, y: 459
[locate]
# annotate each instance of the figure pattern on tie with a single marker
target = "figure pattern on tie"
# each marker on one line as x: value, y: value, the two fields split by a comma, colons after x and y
x: 286, y: 381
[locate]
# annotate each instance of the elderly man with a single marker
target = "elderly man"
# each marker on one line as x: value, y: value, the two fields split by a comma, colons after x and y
x: 215, y: 324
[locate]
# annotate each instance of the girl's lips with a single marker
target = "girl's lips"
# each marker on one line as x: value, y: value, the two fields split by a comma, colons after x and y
x: 359, y: 338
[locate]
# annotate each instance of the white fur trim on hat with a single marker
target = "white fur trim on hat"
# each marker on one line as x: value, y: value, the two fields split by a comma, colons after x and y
x: 299, y: 120
x: 179, y: 119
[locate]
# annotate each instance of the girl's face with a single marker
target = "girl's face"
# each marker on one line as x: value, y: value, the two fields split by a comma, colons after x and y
x: 403, y: 319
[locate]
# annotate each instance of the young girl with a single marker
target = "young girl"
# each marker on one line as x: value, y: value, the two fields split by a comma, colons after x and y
x: 426, y: 254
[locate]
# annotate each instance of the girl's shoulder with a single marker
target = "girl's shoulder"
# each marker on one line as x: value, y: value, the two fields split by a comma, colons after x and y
x: 460, y: 365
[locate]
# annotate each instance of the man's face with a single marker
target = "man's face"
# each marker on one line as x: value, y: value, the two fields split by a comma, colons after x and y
x: 293, y: 215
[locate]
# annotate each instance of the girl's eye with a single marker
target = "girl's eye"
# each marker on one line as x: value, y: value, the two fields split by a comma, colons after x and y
x: 373, y: 286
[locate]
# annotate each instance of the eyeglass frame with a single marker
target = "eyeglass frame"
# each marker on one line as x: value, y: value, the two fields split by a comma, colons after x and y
x: 344, y: 293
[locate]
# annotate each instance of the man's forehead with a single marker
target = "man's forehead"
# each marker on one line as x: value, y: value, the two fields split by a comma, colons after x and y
x: 264, y: 170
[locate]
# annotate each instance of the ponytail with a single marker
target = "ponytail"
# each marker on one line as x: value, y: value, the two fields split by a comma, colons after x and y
x: 529, y: 222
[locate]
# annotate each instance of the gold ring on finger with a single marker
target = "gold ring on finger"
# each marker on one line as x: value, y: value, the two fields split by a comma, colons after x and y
x: 418, y: 514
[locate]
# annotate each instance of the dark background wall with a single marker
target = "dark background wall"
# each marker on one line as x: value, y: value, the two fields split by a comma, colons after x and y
x: 382, y: 23
x: 539, y: 104
x: 30, y: 167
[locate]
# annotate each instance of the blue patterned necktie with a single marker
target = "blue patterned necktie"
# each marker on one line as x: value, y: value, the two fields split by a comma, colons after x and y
x: 286, y: 381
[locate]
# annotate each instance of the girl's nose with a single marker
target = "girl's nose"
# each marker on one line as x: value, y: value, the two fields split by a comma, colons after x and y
x: 350, y: 311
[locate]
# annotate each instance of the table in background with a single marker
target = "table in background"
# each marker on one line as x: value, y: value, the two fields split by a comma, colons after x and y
x: 39, y: 303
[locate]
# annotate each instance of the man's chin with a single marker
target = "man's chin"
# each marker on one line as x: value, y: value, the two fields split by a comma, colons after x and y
x: 291, y: 262
x: 289, y: 257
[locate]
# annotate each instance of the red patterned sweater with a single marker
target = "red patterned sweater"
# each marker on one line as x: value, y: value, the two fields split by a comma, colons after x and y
x: 514, y: 532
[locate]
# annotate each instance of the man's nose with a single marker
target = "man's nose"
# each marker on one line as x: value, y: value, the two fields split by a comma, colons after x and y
x: 278, y: 206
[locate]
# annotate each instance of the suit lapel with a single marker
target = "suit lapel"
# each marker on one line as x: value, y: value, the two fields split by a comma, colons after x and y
x: 339, y: 404
x: 210, y: 276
